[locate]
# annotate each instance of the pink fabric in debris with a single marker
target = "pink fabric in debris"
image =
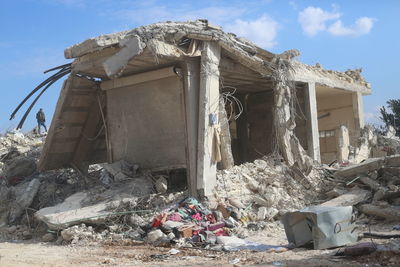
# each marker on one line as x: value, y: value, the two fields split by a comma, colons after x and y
x: 197, y: 217
x: 175, y: 217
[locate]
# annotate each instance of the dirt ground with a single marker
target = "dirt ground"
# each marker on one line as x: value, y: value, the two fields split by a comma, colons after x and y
x: 135, y: 254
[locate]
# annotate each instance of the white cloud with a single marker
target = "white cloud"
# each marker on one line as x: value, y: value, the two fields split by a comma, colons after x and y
x: 155, y: 13
x: 313, y: 19
x: 261, y: 31
x: 362, y: 26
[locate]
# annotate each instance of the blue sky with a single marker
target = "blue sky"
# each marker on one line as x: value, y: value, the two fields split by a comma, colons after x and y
x: 337, y: 34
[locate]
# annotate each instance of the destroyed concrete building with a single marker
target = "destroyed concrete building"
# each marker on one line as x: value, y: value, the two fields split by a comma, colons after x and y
x: 190, y: 96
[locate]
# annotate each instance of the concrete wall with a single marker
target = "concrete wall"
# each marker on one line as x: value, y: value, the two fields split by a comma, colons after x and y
x: 147, y: 123
x: 340, y: 109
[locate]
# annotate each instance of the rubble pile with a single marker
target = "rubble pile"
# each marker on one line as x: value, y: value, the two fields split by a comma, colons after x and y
x: 374, y: 144
x: 266, y: 188
x: 371, y: 186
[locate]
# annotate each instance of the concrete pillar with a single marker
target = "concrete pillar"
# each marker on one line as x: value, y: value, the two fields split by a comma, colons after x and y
x: 358, y: 110
x: 208, y: 117
x: 311, y: 113
x: 343, y: 143
x: 192, y: 83
x: 226, y: 144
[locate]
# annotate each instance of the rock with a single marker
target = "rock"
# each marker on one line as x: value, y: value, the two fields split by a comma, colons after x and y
x: 390, y: 213
x: 67, y: 234
x: 262, y: 213
x: 271, y: 213
x: 236, y: 203
x: 161, y: 185
x: 349, y: 199
x: 136, y: 220
x: 171, y: 235
x: 49, y: 237
x: 21, y: 167
x: 362, y: 168
x: 5, y: 198
x: 231, y: 241
x: 26, y: 235
x: 12, y: 229
x: 155, y: 235
x: 379, y: 194
x: 24, y: 197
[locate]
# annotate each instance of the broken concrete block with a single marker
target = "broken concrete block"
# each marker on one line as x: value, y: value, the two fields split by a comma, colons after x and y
x: 131, y: 48
x: 349, y: 199
x: 155, y: 235
x: 231, y: 241
x: 161, y: 185
x: 24, y: 197
x: 262, y: 213
x: 393, y: 161
x: 21, y: 167
x: 335, y: 192
x: 71, y: 212
x: 5, y: 195
x: 49, y: 237
x: 371, y: 183
x: 391, y: 213
x: 362, y: 168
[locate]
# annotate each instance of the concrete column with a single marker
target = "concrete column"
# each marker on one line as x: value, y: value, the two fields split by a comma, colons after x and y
x: 358, y: 110
x: 208, y: 117
x: 311, y: 113
x: 343, y: 143
x: 192, y: 83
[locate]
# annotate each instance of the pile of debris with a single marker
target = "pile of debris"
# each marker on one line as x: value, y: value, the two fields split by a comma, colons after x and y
x: 267, y: 188
x: 372, y: 186
x: 373, y: 144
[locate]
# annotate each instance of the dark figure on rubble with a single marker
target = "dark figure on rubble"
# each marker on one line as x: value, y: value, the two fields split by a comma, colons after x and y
x: 41, y: 119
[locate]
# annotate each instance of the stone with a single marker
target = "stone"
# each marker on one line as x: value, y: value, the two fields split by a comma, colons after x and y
x: 21, y: 167
x: 26, y: 235
x: 155, y: 235
x: 231, y: 241
x: 349, y: 199
x: 49, y: 237
x: 362, y: 168
x: 12, y: 229
x: 24, y: 197
x: 161, y: 185
x: 262, y: 213
x: 271, y: 213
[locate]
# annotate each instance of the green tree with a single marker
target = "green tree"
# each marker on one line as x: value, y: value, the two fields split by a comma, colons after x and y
x: 392, y: 115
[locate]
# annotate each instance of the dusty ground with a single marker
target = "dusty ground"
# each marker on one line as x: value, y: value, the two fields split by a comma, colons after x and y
x: 130, y: 253
x: 39, y: 254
